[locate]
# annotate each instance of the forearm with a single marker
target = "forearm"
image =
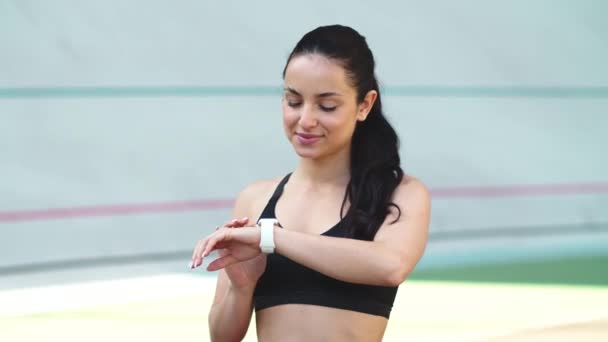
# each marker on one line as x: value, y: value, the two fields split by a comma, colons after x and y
x: 350, y: 260
x: 230, y: 317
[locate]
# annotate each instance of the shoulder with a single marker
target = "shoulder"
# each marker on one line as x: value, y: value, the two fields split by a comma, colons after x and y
x: 255, y: 188
x: 258, y: 188
x: 252, y: 198
x: 412, y: 194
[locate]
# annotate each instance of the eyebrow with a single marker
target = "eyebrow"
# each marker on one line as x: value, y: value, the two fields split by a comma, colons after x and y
x: 326, y: 94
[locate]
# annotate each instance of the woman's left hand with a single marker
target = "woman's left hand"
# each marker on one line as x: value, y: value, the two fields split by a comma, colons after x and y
x: 240, y: 244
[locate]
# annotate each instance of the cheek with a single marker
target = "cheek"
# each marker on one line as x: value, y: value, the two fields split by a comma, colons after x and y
x: 343, y: 122
x: 290, y: 117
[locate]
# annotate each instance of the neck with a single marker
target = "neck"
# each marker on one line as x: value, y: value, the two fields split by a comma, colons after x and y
x: 330, y: 170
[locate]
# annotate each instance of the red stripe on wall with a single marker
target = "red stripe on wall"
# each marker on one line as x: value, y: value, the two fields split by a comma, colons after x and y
x: 214, y: 204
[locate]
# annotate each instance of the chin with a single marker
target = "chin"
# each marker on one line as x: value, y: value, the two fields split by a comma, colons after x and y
x: 315, y: 151
x: 307, y: 153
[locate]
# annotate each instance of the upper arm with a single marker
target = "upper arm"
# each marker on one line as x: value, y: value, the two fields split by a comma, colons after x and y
x: 250, y: 201
x: 240, y: 209
x: 408, y: 235
x: 246, y: 205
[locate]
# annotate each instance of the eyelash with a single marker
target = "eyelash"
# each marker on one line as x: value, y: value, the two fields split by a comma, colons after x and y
x: 325, y: 109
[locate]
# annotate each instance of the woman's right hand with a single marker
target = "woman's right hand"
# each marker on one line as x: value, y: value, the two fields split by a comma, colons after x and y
x: 244, y: 275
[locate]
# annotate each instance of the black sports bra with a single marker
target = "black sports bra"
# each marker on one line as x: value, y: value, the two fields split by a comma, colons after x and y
x: 287, y: 282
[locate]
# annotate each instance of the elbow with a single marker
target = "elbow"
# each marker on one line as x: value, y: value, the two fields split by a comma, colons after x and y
x: 221, y: 334
x: 397, y: 274
x: 395, y: 279
x: 213, y: 333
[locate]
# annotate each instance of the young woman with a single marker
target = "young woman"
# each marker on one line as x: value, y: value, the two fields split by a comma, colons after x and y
x: 350, y: 226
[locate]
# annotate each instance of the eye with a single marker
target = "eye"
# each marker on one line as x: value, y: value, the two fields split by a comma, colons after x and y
x: 293, y: 104
x: 328, y: 109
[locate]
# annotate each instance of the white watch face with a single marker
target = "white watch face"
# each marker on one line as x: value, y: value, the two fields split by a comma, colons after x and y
x: 267, y: 235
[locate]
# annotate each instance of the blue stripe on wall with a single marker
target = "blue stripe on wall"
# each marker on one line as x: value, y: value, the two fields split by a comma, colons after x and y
x: 235, y: 91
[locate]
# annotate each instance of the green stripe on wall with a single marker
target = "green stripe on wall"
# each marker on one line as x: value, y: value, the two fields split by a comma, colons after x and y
x: 576, y: 270
x: 234, y: 91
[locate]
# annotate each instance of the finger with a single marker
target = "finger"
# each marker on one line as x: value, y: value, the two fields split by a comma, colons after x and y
x: 243, y: 221
x: 222, y: 262
x: 222, y: 248
x: 237, y: 223
x: 194, y: 250
x: 204, y: 246
x: 198, y: 250
x: 221, y: 235
x: 200, y: 253
x: 210, y: 246
x: 231, y: 223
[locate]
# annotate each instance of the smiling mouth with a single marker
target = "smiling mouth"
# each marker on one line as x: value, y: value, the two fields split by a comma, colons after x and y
x: 305, y: 139
x: 308, y: 136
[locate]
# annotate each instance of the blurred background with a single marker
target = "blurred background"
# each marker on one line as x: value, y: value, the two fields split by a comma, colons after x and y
x: 128, y: 127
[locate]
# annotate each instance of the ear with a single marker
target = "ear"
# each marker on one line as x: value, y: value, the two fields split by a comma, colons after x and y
x: 366, y: 105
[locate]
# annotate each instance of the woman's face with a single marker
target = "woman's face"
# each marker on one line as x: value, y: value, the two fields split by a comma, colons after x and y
x: 320, y: 108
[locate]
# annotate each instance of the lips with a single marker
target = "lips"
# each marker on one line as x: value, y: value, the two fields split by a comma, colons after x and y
x: 307, y: 139
x: 307, y: 136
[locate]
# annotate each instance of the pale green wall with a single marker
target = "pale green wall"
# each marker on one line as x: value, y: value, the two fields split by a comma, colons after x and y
x: 102, y: 147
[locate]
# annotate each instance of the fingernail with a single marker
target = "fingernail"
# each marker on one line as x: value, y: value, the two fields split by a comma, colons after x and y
x: 245, y: 218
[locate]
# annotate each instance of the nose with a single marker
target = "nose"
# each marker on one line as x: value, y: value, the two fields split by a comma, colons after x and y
x: 308, y: 117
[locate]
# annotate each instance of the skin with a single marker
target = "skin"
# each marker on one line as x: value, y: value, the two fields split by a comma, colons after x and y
x: 319, y: 104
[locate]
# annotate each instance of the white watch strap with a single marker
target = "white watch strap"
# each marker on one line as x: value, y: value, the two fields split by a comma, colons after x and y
x: 267, y: 235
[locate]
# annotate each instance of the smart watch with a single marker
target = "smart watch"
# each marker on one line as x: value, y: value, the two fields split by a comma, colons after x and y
x: 267, y: 234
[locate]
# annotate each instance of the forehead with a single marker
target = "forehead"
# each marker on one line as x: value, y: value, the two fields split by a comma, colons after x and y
x: 311, y: 74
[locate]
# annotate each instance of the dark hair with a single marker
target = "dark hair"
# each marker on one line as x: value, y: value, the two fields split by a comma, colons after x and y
x: 375, y: 164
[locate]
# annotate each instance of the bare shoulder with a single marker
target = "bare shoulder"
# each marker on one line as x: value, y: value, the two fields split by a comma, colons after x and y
x: 412, y: 194
x: 252, y: 198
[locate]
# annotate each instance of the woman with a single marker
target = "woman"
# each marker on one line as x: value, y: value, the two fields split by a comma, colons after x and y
x: 351, y: 226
